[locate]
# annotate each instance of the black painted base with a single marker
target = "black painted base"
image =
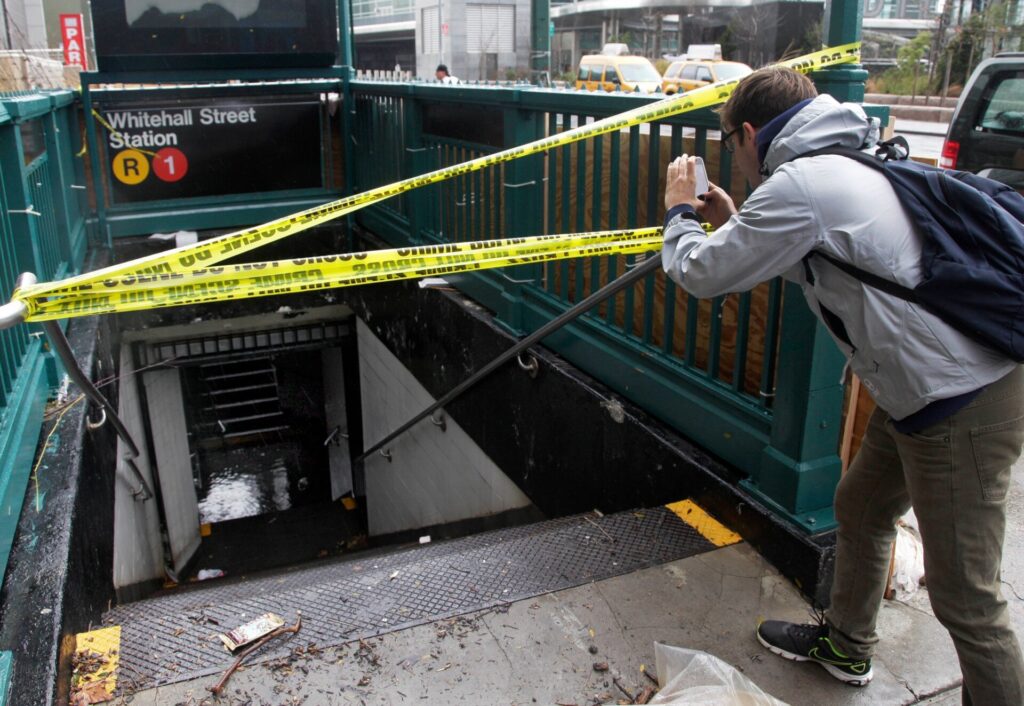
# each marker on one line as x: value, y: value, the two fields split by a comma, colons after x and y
x: 59, y: 578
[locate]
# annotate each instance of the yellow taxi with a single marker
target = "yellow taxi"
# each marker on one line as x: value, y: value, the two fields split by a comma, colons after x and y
x: 625, y: 73
x: 687, y: 74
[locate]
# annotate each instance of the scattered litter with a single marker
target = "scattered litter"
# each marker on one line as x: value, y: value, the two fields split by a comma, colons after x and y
x: 695, y: 678
x: 217, y: 688
x: 600, y: 666
x: 446, y: 666
x: 425, y: 539
x: 394, y: 575
x: 615, y: 410
x: 433, y: 282
x: 253, y: 630
x: 46, y: 611
x: 94, y: 667
x: 181, y: 237
x: 205, y: 574
x: 908, y: 567
x: 62, y: 391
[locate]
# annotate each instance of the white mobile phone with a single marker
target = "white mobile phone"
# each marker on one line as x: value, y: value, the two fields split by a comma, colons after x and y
x: 702, y: 177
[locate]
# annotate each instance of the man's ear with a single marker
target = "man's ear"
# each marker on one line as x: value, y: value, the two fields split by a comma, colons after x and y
x: 749, y: 132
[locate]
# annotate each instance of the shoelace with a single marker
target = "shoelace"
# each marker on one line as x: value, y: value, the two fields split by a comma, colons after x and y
x: 810, y: 632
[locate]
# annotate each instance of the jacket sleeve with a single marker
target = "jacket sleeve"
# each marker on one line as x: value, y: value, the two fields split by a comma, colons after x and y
x: 777, y: 226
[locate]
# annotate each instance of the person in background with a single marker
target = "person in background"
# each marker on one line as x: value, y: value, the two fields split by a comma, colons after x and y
x: 950, y: 417
x: 442, y: 75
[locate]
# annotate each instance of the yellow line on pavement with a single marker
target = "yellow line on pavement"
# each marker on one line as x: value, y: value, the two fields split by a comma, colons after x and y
x: 711, y: 529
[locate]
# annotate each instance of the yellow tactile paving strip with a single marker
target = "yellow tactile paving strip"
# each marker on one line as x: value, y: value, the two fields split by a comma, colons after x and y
x: 96, y: 684
x: 711, y: 529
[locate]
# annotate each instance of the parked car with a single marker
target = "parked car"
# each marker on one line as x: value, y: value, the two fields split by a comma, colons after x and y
x: 986, y: 134
x: 687, y: 74
x: 626, y: 73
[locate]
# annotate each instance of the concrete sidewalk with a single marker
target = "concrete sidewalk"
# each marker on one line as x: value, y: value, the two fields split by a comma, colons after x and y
x: 543, y: 650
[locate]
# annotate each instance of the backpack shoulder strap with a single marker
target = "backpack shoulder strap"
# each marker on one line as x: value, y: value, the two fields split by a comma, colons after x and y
x: 869, y: 278
x: 895, y: 149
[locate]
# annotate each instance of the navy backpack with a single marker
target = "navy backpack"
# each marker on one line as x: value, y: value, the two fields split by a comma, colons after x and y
x: 973, y: 254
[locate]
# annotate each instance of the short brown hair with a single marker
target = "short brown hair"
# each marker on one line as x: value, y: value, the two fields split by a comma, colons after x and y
x: 765, y: 94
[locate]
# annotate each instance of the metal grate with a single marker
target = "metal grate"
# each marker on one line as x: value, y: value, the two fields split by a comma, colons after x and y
x: 173, y: 638
x: 228, y: 344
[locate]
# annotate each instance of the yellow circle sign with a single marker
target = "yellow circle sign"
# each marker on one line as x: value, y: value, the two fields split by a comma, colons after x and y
x: 130, y: 167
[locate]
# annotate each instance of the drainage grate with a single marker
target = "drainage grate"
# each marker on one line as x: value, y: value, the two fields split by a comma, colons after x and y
x: 173, y: 638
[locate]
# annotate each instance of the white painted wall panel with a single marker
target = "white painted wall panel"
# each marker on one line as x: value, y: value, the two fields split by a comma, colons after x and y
x: 138, y: 552
x: 173, y: 462
x: 339, y: 459
x: 434, y: 476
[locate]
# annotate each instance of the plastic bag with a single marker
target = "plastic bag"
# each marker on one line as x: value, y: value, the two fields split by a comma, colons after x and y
x: 696, y: 678
x: 908, y: 567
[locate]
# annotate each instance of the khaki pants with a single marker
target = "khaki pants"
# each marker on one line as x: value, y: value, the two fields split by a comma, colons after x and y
x: 956, y: 475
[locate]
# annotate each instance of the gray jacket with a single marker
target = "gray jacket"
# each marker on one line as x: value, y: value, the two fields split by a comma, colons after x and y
x: 906, y: 357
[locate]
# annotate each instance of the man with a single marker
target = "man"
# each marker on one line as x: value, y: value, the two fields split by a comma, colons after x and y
x: 950, y: 417
x: 442, y: 75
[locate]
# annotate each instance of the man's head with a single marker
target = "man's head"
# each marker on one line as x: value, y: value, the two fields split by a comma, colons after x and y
x: 441, y: 72
x: 761, y: 96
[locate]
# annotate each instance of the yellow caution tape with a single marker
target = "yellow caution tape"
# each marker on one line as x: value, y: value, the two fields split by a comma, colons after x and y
x: 262, y: 279
x: 131, y: 293
x: 146, y: 282
x: 114, y: 131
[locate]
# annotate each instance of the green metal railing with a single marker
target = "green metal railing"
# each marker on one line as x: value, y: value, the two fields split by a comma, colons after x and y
x: 749, y: 376
x: 43, y: 206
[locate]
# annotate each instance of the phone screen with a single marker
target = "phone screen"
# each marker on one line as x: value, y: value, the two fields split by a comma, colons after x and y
x: 702, y: 177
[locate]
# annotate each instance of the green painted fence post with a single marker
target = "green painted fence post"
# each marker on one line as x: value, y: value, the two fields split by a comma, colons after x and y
x: 523, y: 196
x: 798, y: 470
x: 842, y: 25
x: 419, y: 159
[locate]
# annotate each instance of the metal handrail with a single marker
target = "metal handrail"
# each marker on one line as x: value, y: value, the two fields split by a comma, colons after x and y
x: 14, y: 313
x: 639, y: 271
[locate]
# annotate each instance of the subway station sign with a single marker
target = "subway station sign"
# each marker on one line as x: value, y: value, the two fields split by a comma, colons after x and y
x: 211, y: 147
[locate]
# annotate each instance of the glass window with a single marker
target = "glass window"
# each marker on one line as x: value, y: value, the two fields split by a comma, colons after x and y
x: 673, y: 70
x: 690, y: 72
x: 1004, y: 109
x: 431, y: 35
x: 727, y: 71
x: 704, y: 74
x: 639, y: 72
x: 584, y: 73
x: 490, y: 29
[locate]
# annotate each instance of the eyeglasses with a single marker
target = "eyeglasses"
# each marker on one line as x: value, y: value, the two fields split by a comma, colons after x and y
x: 727, y: 138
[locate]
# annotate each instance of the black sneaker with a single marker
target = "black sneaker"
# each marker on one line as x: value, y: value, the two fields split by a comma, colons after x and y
x: 811, y: 643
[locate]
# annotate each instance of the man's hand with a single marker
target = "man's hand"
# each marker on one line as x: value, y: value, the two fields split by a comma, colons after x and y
x: 681, y: 182
x: 716, y: 208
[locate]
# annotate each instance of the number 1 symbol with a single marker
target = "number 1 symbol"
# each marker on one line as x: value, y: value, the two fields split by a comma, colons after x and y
x: 170, y: 164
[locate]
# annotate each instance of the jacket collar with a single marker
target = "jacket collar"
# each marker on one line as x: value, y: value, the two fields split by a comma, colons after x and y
x: 772, y: 128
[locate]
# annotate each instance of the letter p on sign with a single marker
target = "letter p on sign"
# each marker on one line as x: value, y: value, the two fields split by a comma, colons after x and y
x: 72, y: 33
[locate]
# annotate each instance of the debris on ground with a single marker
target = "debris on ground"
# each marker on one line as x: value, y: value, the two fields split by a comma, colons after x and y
x: 251, y: 631
x: 89, y: 672
x: 218, y: 688
x: 693, y: 677
x: 94, y: 666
